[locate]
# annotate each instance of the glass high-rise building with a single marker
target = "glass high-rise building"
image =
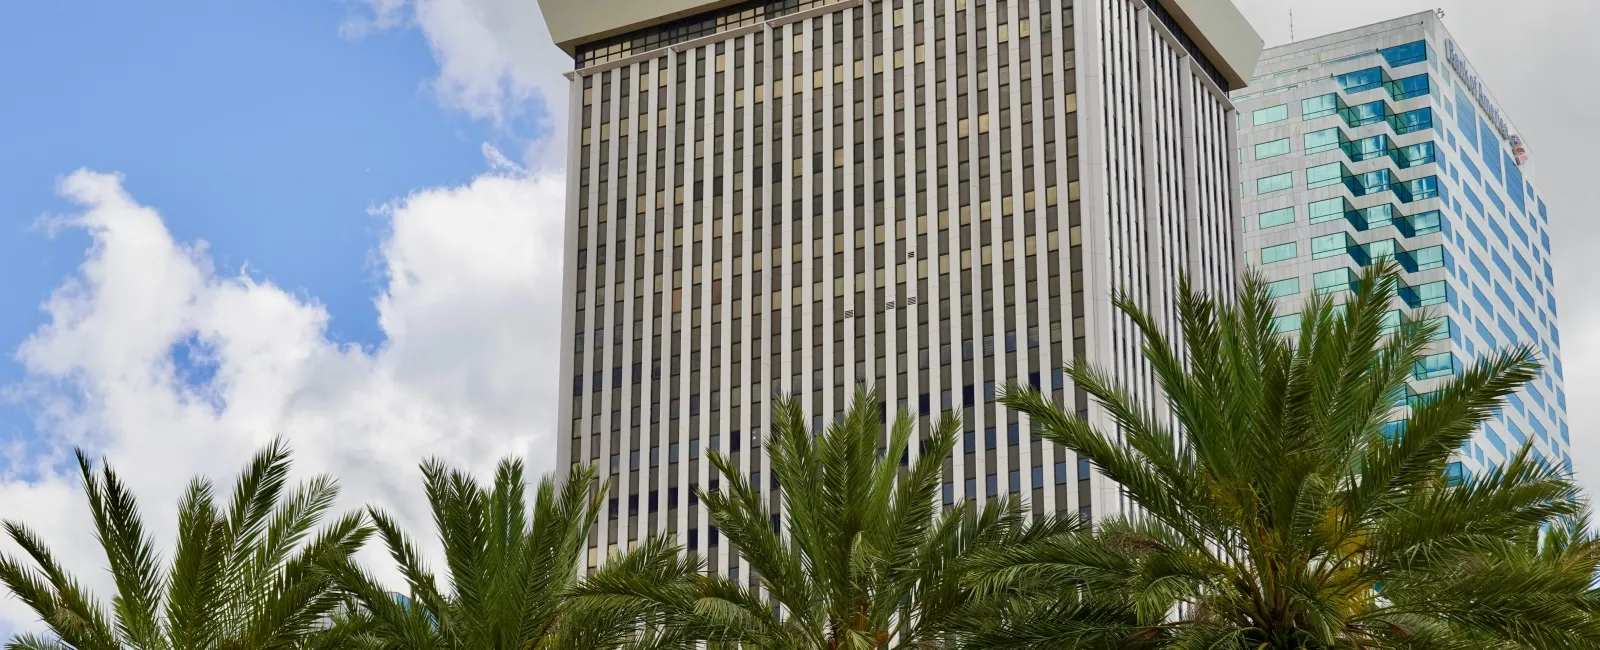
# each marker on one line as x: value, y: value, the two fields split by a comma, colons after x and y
x: 933, y: 197
x: 1382, y: 141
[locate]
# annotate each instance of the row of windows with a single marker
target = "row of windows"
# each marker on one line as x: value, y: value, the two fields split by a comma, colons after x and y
x: 1344, y: 279
x: 1380, y: 180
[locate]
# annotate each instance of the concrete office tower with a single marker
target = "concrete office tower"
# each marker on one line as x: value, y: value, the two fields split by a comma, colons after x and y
x: 1382, y: 141
x: 932, y: 197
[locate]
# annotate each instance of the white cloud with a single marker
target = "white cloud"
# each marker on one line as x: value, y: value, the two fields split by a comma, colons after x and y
x: 473, y: 274
x: 495, y: 59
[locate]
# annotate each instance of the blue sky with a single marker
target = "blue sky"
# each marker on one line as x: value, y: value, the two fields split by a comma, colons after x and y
x: 253, y: 125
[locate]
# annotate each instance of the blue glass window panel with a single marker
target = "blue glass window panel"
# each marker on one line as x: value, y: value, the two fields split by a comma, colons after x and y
x: 1499, y: 232
x: 1500, y: 262
x: 1423, y: 259
x: 1281, y: 288
x: 1277, y: 147
x: 1434, y: 365
x: 1368, y: 113
x: 1486, y: 334
x: 1324, y: 175
x: 1431, y: 293
x: 1327, y: 210
x: 1381, y: 249
x: 1279, y: 253
x: 1329, y: 245
x: 1477, y: 262
x: 1490, y: 146
x: 1275, y: 218
x: 1286, y: 323
x: 1417, y: 189
x: 1367, y: 148
x: 1456, y: 473
x: 1270, y: 114
x: 1376, y: 216
x: 1467, y: 116
x: 1543, y: 214
x: 1411, y: 121
x: 1323, y: 140
x: 1360, y: 80
x: 1275, y: 183
x: 1514, y: 181
x: 1472, y: 198
x: 1521, y: 261
x: 1333, y: 280
x: 1408, y: 87
x: 1421, y: 153
x: 1377, y: 180
x: 1323, y: 105
x: 1494, y: 197
x: 1424, y: 223
x: 1399, y: 55
x: 1472, y: 169
x: 1495, y: 440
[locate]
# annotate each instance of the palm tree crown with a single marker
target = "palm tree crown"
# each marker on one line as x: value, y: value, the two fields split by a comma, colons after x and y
x: 1283, y: 502
x: 865, y: 561
x: 509, y: 572
x: 241, y: 577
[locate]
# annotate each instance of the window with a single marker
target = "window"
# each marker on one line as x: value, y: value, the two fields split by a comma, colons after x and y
x: 1410, y: 121
x: 1423, y: 223
x: 1275, y: 218
x: 1270, y: 114
x: 1360, y: 80
x: 1408, y: 87
x: 1361, y: 114
x: 1274, y: 183
x: 1421, y: 153
x: 1278, y: 253
x: 1320, y: 106
x: 1323, y: 140
x: 1286, y: 323
x: 1283, y: 288
x: 1455, y: 473
x: 1327, y: 210
x: 1333, y: 280
x: 1330, y: 245
x: 1277, y: 147
x: 1324, y: 175
x: 1434, y: 365
x: 1399, y: 55
x: 1432, y: 257
x: 1423, y: 295
x: 1417, y: 189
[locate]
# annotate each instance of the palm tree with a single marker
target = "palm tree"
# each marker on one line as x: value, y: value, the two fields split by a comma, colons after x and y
x: 509, y: 573
x: 1278, y: 507
x: 865, y: 562
x: 244, y: 577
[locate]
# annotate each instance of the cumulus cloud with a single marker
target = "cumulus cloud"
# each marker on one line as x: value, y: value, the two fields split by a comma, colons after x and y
x: 496, y: 61
x: 169, y: 366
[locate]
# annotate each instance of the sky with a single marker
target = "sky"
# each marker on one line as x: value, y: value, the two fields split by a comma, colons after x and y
x: 339, y: 222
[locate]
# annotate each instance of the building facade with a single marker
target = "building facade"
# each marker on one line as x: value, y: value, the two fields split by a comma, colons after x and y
x: 933, y: 197
x: 1381, y: 142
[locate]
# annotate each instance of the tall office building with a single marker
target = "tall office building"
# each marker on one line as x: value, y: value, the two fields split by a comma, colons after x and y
x: 932, y: 197
x: 1383, y: 141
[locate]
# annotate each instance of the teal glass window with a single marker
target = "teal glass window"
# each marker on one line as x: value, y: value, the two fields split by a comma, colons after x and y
x: 1443, y: 328
x: 1367, y: 148
x: 1417, y: 189
x: 1423, y: 259
x: 1381, y: 249
x: 1320, y: 106
x: 1408, y: 87
x: 1327, y: 209
x: 1424, y: 223
x: 1399, y: 55
x: 1434, y: 365
x: 1324, y: 175
x: 1377, y: 216
x: 1389, y: 323
x: 1323, y: 140
x: 1286, y: 323
x: 1421, y: 153
x: 1279, y: 253
x: 1277, y: 147
x: 1275, y: 183
x: 1456, y: 473
x: 1360, y: 80
x: 1333, y: 280
x: 1330, y: 245
x: 1362, y: 114
x: 1275, y: 218
x: 1283, y: 288
x: 1270, y: 114
x: 1423, y: 295
x: 1410, y: 121
x: 1377, y: 180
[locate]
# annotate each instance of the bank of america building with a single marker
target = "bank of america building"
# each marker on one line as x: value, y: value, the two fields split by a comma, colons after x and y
x: 933, y: 197
x: 1383, y: 141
